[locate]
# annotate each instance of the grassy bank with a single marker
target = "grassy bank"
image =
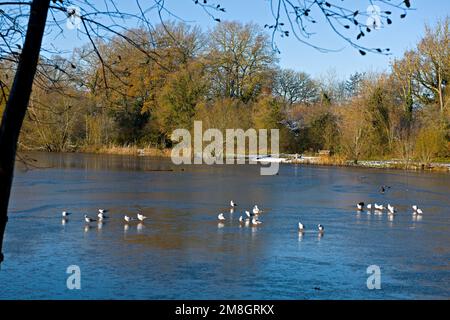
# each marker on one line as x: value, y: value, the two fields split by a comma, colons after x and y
x: 126, y: 150
x: 443, y: 165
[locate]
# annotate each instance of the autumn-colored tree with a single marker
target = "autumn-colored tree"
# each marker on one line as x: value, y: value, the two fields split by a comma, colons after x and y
x: 430, y: 141
x: 178, y: 98
x: 354, y: 130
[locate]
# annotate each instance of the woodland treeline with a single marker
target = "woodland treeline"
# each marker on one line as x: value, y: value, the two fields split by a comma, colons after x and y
x: 117, y: 94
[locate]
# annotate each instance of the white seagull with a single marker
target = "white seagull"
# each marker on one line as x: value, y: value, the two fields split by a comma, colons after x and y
x: 232, y: 204
x: 379, y: 206
x: 141, y: 217
x: 87, y: 219
x: 65, y: 213
x: 301, y: 227
x: 255, y: 221
x: 415, y: 207
x: 369, y: 206
x: 419, y: 211
x: 221, y: 217
x: 101, y: 216
x: 391, y: 209
x: 127, y: 218
x: 360, y: 206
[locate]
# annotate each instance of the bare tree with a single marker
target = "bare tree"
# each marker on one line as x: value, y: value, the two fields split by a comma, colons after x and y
x: 22, y: 25
x: 295, y: 87
x: 433, y: 68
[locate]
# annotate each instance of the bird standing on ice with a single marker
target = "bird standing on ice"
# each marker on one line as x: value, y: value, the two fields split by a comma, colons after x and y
x: 221, y: 217
x: 301, y: 227
x: 65, y: 213
x: 141, y: 217
x: 256, y: 221
x: 87, y: 219
x: 417, y: 210
x: 101, y: 216
x: 391, y: 209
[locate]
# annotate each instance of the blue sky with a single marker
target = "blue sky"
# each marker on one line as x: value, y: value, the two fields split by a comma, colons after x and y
x: 400, y: 36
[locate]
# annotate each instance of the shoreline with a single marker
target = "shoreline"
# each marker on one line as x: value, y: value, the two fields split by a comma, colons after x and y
x: 283, y: 159
x: 126, y: 150
x: 383, y: 164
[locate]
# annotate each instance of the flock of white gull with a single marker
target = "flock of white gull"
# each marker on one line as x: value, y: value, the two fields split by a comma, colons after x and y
x: 379, y: 209
x: 253, y: 217
x: 101, y: 216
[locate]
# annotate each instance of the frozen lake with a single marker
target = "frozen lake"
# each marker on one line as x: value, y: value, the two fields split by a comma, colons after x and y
x: 182, y: 252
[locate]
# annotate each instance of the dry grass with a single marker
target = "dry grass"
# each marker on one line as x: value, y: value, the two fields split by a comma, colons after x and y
x: 324, y: 161
x: 381, y: 164
x: 127, y: 150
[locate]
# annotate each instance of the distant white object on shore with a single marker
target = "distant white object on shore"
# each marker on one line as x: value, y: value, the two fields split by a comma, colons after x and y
x: 268, y: 159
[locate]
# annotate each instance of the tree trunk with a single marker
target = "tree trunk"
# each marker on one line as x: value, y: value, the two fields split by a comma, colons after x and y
x: 441, y: 95
x: 17, y: 104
